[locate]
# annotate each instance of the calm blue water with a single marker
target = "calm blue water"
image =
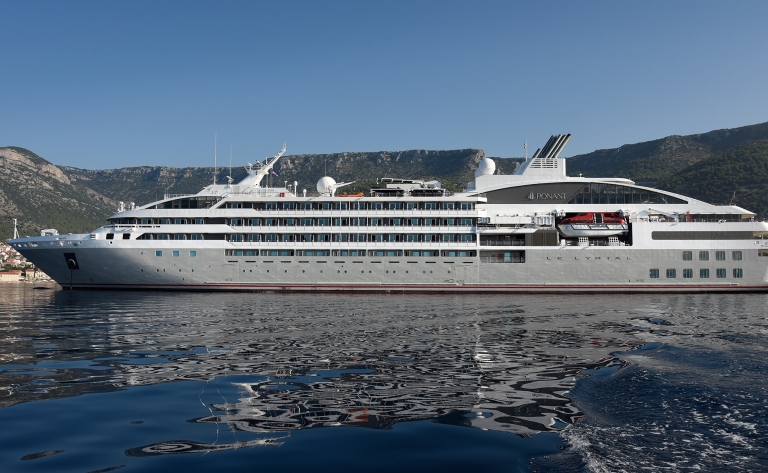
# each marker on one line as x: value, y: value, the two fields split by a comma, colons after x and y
x: 149, y: 381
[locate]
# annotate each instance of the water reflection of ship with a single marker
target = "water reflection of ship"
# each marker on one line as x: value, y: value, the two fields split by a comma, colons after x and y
x: 525, y: 401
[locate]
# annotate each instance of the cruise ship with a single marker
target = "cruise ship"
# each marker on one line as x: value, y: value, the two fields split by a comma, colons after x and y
x: 537, y: 230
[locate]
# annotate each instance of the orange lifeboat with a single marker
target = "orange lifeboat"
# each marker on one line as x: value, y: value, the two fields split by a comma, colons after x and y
x: 359, y: 194
x: 593, y: 224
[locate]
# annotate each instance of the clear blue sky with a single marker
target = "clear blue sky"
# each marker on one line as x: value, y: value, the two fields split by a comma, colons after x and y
x: 107, y: 84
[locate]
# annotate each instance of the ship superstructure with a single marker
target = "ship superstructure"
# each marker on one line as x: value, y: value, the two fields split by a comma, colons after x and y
x: 536, y: 230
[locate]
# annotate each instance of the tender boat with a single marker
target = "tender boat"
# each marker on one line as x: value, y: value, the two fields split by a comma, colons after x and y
x: 593, y: 224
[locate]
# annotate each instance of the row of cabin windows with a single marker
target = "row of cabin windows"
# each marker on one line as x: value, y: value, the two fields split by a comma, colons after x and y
x: 703, y: 273
x: 353, y: 222
x: 176, y: 253
x: 369, y: 253
x: 598, y: 193
x: 352, y: 205
x: 704, y: 255
x: 351, y: 237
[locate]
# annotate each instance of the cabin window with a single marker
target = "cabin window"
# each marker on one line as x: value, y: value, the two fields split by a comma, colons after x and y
x: 323, y: 222
x: 305, y: 206
x: 193, y: 253
x: 358, y: 222
x: 762, y: 252
x: 448, y: 237
x: 410, y: 206
x: 162, y: 236
x: 197, y: 221
x: 196, y: 236
x: 414, y: 222
x: 270, y: 206
x: 467, y: 237
x: 175, y: 253
x: 687, y: 255
x: 720, y: 272
x: 179, y: 236
x: 393, y: 206
x: 289, y: 205
x: 110, y: 236
x: 305, y: 222
x: 289, y: 222
x: 272, y: 237
x: 374, y: 222
x: 126, y: 236
x: 412, y: 237
x: 465, y: 222
x: 687, y: 273
x: 704, y: 256
x: 429, y: 222
x: 165, y: 221
x: 448, y: 205
x: 358, y: 205
x: 654, y: 274
x: 736, y: 255
x: 376, y: 206
x: 430, y: 205
x: 704, y: 273
x: 466, y: 206
x: 158, y: 253
x: 738, y: 273
x: 235, y: 237
x: 720, y: 256
x: 449, y: 222
x: 671, y: 274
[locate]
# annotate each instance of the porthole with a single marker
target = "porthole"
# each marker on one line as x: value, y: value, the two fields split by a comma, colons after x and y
x: 338, y: 271
x: 303, y: 271
x: 179, y: 270
x: 387, y: 271
x: 286, y: 270
x: 362, y: 272
x: 267, y: 270
x: 345, y: 271
x: 424, y: 272
x: 321, y: 270
x: 449, y: 271
x: 393, y: 272
x: 430, y: 272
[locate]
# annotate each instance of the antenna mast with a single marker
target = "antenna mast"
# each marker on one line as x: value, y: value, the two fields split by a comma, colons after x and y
x: 15, y: 231
x: 525, y: 145
x: 214, y: 159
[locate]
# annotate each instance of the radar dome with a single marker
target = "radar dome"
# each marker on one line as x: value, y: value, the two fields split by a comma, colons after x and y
x: 326, y: 185
x: 486, y: 167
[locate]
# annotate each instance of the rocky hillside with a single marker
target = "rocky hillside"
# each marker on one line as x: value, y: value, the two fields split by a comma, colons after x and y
x: 40, y: 195
x: 653, y: 161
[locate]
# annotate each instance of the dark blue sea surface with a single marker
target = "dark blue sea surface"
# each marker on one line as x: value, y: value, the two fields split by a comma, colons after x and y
x: 154, y: 381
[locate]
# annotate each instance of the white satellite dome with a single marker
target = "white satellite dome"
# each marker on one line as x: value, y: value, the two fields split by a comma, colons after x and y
x: 326, y: 185
x: 486, y: 167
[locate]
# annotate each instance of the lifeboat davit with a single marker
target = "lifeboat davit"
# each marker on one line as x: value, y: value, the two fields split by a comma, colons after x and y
x: 593, y: 224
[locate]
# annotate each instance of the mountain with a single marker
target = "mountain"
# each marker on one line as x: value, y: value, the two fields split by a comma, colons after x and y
x: 40, y: 195
x: 741, y: 171
x: 650, y: 162
x: 708, y: 166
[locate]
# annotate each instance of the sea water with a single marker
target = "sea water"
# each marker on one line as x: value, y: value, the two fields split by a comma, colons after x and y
x: 95, y: 381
